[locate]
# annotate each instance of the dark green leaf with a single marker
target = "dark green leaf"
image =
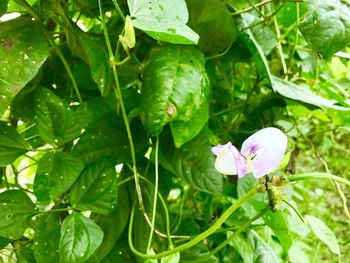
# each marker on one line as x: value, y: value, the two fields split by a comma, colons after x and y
x: 22, y: 106
x: 112, y: 225
x: 24, y: 254
x: 322, y: 231
x: 327, y: 26
x: 3, y: 7
x: 96, y: 189
x: 12, y: 145
x: 106, y: 138
x: 4, y: 242
x: 16, y: 209
x: 57, y: 122
x: 23, y: 49
x: 279, y: 226
x: 214, y: 24
x: 47, y: 236
x: 80, y: 237
x: 55, y: 174
x: 174, y: 87
x: 194, y: 163
x: 163, y: 20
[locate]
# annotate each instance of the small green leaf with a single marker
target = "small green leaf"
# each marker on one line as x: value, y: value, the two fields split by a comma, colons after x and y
x: 214, y: 24
x: 57, y: 123
x: 194, y: 163
x: 163, y: 20
x: 80, y: 237
x: 174, y: 258
x: 321, y: 230
x: 16, y: 209
x: 279, y: 226
x: 47, y: 235
x: 128, y: 39
x: 12, y: 145
x: 4, y: 242
x: 243, y: 248
x: 174, y: 87
x: 96, y: 188
x: 263, y: 251
x: 55, y: 174
x: 23, y: 49
x: 326, y: 27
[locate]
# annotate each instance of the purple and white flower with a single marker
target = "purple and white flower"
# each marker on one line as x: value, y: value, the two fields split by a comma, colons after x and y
x: 261, y: 153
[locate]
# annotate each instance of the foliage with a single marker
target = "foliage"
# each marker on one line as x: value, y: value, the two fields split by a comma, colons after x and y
x: 109, y: 109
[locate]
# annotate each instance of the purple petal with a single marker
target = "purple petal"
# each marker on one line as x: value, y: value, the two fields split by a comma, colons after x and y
x: 266, y: 147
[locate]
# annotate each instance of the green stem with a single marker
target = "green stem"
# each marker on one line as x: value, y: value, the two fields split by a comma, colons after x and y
x: 317, y: 175
x: 196, y: 239
x: 295, y: 210
x: 119, y: 97
x: 279, y: 45
x: 26, y: 6
x: 117, y: 7
x: 154, y: 210
x: 238, y: 231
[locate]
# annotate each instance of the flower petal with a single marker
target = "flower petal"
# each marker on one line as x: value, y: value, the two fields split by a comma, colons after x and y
x: 225, y: 161
x: 267, y: 148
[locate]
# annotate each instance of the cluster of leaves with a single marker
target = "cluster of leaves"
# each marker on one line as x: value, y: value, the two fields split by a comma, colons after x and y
x: 88, y: 114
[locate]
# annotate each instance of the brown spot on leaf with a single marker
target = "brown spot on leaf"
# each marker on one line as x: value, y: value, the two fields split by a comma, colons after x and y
x: 7, y: 43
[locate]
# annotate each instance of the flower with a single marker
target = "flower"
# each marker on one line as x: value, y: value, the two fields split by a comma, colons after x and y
x: 261, y: 153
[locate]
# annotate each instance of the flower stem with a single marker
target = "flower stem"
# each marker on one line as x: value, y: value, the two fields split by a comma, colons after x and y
x: 317, y: 175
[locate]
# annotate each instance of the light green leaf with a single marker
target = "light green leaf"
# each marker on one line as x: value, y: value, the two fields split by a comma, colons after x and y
x: 57, y: 123
x: 56, y: 173
x: 243, y: 248
x: 298, y: 252
x: 321, y: 230
x: 23, y: 49
x: 263, y: 251
x: 96, y: 188
x: 46, y: 238
x: 163, y: 20
x: 194, y: 163
x: 174, y: 258
x: 80, y: 237
x: 174, y: 87
x: 16, y: 209
x: 214, y: 24
x: 12, y: 145
x: 326, y: 27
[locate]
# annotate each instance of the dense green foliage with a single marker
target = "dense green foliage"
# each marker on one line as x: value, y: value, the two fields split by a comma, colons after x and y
x: 109, y: 109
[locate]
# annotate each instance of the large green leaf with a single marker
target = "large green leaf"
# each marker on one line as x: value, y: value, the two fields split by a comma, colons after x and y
x: 12, y: 145
x: 80, y: 237
x: 47, y: 236
x: 112, y: 225
x: 16, y: 209
x: 23, y: 49
x: 106, y: 138
x: 327, y: 26
x: 57, y: 122
x: 263, y: 251
x: 279, y: 226
x: 241, y: 244
x: 56, y: 173
x: 163, y: 20
x: 214, y: 24
x: 194, y: 163
x: 322, y: 231
x: 174, y: 87
x: 96, y: 188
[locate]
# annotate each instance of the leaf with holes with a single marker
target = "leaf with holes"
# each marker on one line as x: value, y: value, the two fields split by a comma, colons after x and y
x: 80, y: 237
x: 175, y: 86
x: 23, y: 49
x: 56, y: 173
x: 163, y: 20
x: 16, y: 209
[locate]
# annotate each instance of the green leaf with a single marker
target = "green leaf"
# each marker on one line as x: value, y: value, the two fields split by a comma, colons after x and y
x: 174, y: 87
x: 243, y: 247
x: 297, y: 252
x: 80, y: 237
x: 56, y: 173
x: 174, y: 258
x: 194, y: 163
x: 263, y: 251
x: 57, y: 122
x: 16, y: 209
x: 24, y: 254
x: 46, y: 238
x: 106, y: 138
x: 163, y: 20
x: 23, y: 49
x: 12, y: 145
x: 214, y: 24
x: 4, y: 242
x: 321, y: 230
x: 96, y: 189
x: 326, y: 27
x: 112, y: 225
x: 3, y: 7
x: 279, y: 226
